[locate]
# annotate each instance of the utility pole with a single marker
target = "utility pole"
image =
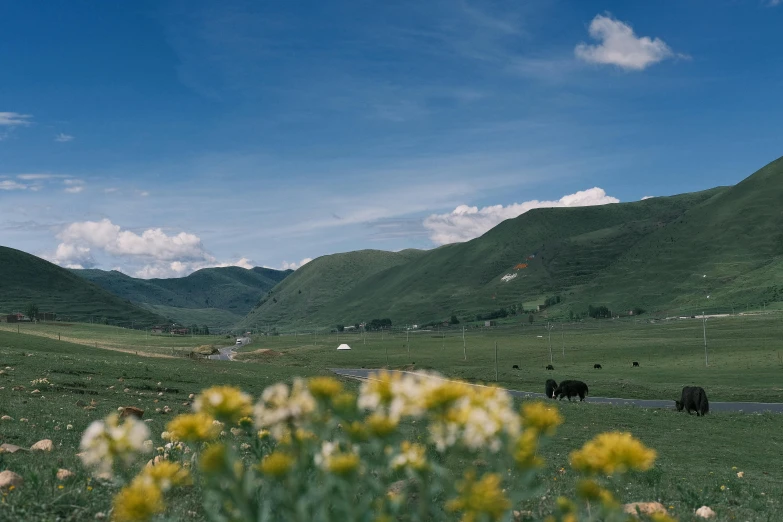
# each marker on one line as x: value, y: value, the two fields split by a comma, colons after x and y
x: 496, y: 361
x: 704, y: 324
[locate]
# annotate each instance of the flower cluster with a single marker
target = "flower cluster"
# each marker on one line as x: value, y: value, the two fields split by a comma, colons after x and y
x: 313, y: 450
x: 613, y: 452
x: 108, y: 442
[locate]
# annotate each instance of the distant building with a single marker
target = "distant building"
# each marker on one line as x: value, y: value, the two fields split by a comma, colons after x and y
x: 157, y: 329
x: 490, y: 323
x: 15, y: 318
x: 179, y: 331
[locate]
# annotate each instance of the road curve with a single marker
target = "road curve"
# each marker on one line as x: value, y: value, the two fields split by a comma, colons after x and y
x: 227, y: 353
x: 742, y: 407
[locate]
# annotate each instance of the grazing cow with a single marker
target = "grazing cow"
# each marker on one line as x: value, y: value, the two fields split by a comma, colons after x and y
x: 597, y: 366
x: 551, y: 386
x: 550, y: 367
x: 693, y: 399
x: 515, y: 367
x: 570, y: 389
x: 636, y: 364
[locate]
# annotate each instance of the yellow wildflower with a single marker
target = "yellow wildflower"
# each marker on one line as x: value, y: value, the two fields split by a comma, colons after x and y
x: 226, y: 403
x: 280, y: 406
x: 613, y: 453
x: 245, y: 422
x: 479, y: 499
x: 263, y: 434
x: 166, y: 474
x: 332, y: 458
x: 541, y: 417
x: 411, y: 456
x: 193, y: 427
x: 590, y: 490
x: 380, y: 425
x: 345, y: 401
x: 213, y: 458
x: 357, y: 431
x: 276, y: 464
x: 324, y: 387
x: 445, y: 394
x: 525, y: 450
x: 138, y: 501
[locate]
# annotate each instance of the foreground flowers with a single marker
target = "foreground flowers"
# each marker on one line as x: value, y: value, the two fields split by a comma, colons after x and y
x: 314, y: 451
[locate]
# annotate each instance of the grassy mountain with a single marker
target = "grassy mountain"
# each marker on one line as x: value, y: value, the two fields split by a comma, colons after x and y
x: 26, y: 279
x: 651, y: 254
x: 211, y: 296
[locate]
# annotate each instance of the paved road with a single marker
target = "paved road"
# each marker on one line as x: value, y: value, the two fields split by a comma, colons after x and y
x: 226, y: 353
x: 745, y: 407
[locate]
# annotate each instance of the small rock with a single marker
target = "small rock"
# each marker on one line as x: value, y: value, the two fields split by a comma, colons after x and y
x: 10, y: 448
x: 160, y: 394
x: 6, y: 418
x: 9, y: 478
x: 18, y: 388
x: 191, y: 396
x: 186, y: 403
x: 35, y: 391
x: 166, y: 409
x: 157, y: 410
x: 42, y: 445
x: 24, y: 420
x: 740, y: 474
x: 126, y: 390
x: 131, y: 410
x: 110, y: 388
x: 69, y: 427
x: 64, y: 474
x: 645, y: 508
x: 57, y: 428
x: 147, y: 420
x: 705, y: 512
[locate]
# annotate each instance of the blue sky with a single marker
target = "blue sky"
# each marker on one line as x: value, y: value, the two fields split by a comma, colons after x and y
x: 160, y: 137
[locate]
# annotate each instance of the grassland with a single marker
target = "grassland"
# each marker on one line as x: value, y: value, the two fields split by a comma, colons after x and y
x: 696, y: 455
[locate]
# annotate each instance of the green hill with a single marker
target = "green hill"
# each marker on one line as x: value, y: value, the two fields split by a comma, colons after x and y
x: 650, y: 254
x: 212, y: 296
x: 26, y: 279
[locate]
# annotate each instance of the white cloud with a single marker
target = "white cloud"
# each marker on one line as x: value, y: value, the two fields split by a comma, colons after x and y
x: 14, y: 119
x: 183, y: 268
x: 152, y: 243
x: 465, y: 223
x: 73, y: 186
x: 8, y: 184
x: 647, y: 197
x: 144, y: 193
x: 109, y: 190
x: 63, y: 138
x: 294, y: 265
x: 34, y: 177
x: 73, y: 256
x: 773, y: 3
x: 621, y: 47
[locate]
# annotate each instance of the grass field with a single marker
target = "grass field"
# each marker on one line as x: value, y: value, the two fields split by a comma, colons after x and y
x: 745, y: 355
x: 696, y: 455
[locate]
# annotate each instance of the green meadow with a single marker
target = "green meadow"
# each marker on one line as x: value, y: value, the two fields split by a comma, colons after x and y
x: 698, y: 458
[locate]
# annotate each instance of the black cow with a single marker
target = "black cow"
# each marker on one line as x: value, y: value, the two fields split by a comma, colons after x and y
x: 693, y: 399
x: 636, y: 364
x: 550, y: 367
x: 570, y: 389
x: 551, y: 386
x: 515, y: 367
x: 597, y: 366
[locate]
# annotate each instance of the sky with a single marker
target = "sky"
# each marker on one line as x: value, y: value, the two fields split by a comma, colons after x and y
x: 160, y: 137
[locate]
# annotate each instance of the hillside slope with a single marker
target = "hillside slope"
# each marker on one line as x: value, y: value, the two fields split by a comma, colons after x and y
x: 25, y: 279
x: 211, y: 296
x: 561, y: 248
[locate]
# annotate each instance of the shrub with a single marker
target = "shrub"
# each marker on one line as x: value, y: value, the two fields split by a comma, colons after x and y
x: 315, y: 451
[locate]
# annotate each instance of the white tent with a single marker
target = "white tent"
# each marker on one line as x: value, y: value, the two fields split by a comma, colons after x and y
x: 343, y: 347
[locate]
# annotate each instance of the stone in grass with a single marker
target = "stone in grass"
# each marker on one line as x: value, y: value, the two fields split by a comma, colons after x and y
x: 131, y: 410
x: 645, y: 508
x: 9, y: 479
x: 11, y: 448
x: 64, y: 474
x: 42, y: 445
x: 6, y: 418
x: 705, y: 512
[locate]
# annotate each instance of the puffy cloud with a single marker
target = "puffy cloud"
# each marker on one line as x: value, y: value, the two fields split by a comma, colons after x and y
x: 36, y: 177
x: 8, y: 184
x: 14, y: 119
x: 63, y: 138
x: 294, y: 265
x: 73, y: 256
x: 621, y: 47
x: 73, y: 186
x: 465, y: 223
x: 158, y: 254
x: 152, y: 243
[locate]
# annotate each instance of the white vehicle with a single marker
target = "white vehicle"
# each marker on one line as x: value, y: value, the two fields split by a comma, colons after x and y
x: 239, y: 341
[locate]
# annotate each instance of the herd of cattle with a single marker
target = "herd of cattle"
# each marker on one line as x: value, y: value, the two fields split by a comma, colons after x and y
x: 692, y: 399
